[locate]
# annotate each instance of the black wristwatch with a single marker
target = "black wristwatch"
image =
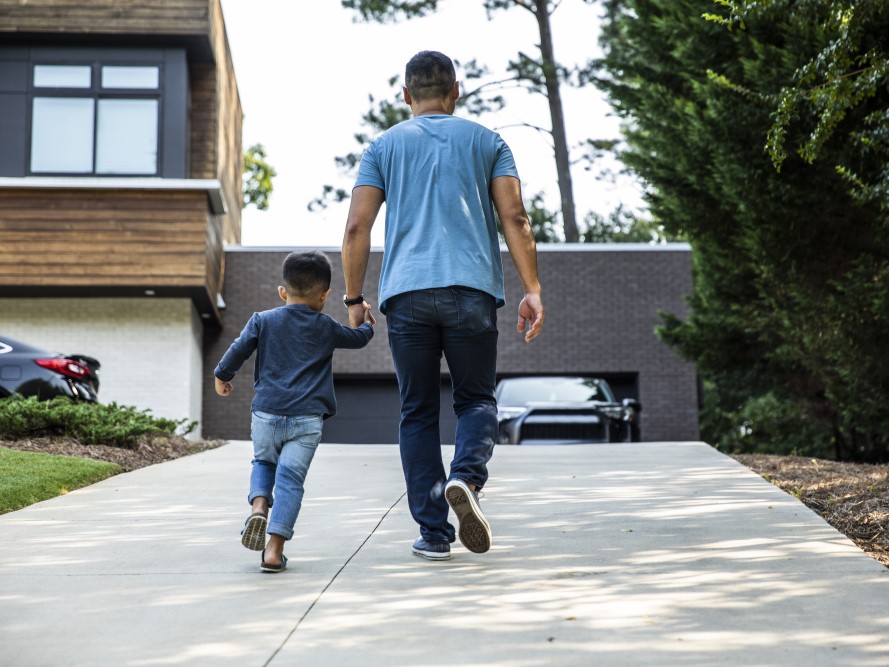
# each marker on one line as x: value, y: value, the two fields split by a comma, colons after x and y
x: 352, y: 302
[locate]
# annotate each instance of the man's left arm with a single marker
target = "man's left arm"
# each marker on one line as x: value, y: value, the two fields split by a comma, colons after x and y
x: 506, y: 191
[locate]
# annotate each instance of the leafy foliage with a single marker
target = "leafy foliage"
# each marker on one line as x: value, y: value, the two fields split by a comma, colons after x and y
x: 791, y: 268
x: 850, y: 68
x: 88, y: 423
x: 544, y: 223
x: 257, y: 178
x: 622, y: 226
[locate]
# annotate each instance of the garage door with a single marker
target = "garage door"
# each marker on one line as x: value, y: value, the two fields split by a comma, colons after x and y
x: 368, y: 411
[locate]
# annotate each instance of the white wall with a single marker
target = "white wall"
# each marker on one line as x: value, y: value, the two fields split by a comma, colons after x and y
x: 150, y: 349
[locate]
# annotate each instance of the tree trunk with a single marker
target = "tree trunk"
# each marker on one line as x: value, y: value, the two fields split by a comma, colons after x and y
x: 560, y: 142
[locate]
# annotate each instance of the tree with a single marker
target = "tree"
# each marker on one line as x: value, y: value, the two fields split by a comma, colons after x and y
x: 850, y: 69
x: 256, y: 180
x: 539, y: 74
x: 839, y: 95
x: 622, y: 226
x: 790, y: 267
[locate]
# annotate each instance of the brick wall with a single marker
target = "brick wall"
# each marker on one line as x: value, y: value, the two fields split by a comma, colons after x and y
x: 601, y: 301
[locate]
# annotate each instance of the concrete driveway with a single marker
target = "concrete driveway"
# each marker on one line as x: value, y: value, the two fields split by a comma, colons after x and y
x: 635, y: 554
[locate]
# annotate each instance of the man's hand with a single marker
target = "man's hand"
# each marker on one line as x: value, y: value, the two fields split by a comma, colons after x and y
x: 530, y: 315
x: 360, y: 313
x: 368, y: 316
x: 224, y: 388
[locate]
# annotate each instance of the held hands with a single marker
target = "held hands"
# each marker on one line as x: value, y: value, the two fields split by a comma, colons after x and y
x: 530, y: 315
x: 224, y: 388
x: 357, y: 317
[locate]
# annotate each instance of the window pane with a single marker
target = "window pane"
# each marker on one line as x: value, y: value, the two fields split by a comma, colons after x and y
x: 62, y: 76
x: 130, y: 77
x: 127, y: 137
x: 62, y: 135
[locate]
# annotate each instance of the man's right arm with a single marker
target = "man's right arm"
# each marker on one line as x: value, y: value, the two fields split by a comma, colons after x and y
x: 506, y: 192
x: 363, y: 210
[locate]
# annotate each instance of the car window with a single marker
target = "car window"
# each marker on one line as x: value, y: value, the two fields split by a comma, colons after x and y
x: 555, y: 390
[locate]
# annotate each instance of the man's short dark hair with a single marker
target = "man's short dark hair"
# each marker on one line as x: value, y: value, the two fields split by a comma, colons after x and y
x: 306, y: 273
x: 429, y: 75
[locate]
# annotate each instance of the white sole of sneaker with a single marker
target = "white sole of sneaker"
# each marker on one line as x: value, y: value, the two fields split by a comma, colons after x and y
x: 474, y: 532
x: 431, y: 555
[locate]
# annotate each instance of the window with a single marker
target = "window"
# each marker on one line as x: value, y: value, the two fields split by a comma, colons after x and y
x: 62, y: 76
x: 127, y: 137
x: 62, y: 135
x: 95, y: 119
x: 130, y: 77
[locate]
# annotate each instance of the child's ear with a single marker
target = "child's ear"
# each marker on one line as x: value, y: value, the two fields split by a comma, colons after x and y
x: 325, y: 295
x: 282, y: 293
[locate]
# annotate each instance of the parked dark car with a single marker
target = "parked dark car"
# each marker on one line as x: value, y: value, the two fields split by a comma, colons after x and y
x: 30, y: 371
x: 564, y: 410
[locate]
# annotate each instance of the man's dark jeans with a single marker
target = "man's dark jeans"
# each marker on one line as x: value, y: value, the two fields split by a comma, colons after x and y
x: 461, y: 323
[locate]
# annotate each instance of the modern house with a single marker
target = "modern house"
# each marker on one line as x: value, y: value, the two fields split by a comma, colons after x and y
x: 120, y: 183
x: 120, y: 197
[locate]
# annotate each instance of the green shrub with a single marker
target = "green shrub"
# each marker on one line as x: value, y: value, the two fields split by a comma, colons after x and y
x: 766, y: 425
x: 88, y: 423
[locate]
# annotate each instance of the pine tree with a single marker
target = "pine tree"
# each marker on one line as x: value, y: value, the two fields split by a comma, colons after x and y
x: 790, y: 269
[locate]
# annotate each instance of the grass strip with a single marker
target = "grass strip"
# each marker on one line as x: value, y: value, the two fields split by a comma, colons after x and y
x: 30, y: 477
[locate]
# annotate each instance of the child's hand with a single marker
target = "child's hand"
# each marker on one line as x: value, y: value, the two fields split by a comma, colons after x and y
x: 368, y: 316
x: 224, y: 388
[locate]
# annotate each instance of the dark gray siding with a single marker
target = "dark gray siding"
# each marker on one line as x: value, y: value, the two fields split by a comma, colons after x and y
x: 13, y: 110
x: 15, y: 91
x: 602, y: 304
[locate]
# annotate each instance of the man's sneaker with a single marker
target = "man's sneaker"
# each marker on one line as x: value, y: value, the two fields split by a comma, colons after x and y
x: 474, y: 533
x: 431, y: 550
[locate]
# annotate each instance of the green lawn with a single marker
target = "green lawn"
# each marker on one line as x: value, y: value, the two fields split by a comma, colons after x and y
x: 29, y: 477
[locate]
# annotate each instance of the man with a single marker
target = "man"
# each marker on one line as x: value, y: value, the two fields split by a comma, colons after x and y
x: 440, y: 286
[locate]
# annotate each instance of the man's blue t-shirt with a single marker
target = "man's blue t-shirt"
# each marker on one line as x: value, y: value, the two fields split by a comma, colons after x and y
x: 436, y: 173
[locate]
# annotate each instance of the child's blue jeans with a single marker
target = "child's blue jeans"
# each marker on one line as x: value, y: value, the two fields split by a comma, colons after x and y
x: 283, y: 448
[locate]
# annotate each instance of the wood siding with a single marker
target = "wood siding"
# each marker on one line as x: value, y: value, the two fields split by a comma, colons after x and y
x: 230, y: 152
x: 139, y: 237
x: 203, y: 113
x: 112, y: 17
x: 112, y: 238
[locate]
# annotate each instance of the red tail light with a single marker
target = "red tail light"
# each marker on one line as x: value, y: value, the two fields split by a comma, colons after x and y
x: 64, y: 366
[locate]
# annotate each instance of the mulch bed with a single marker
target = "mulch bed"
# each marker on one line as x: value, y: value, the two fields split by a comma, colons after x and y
x: 851, y: 497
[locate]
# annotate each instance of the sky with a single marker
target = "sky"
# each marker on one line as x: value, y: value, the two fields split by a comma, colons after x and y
x: 304, y: 77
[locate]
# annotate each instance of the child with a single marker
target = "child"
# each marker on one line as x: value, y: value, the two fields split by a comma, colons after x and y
x: 293, y: 379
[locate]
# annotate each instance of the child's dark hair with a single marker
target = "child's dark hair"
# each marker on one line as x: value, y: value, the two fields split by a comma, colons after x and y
x: 306, y: 273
